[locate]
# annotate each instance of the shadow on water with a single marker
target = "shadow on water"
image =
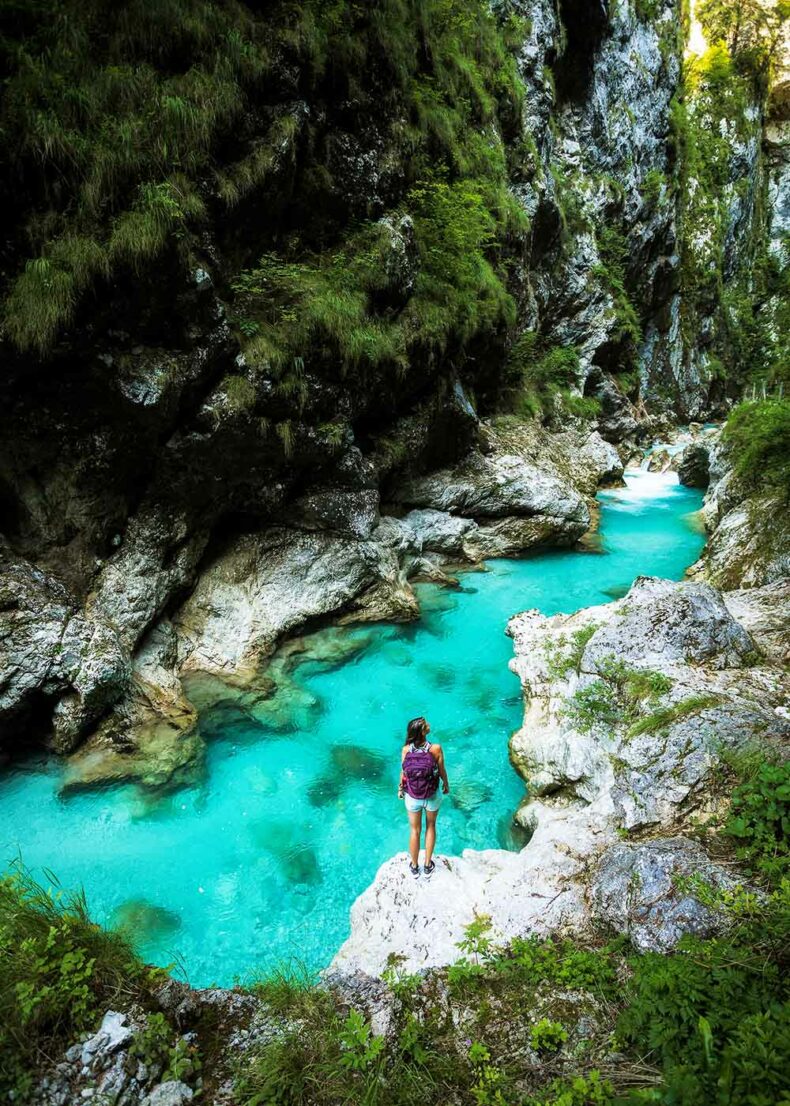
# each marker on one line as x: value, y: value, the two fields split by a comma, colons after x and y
x: 510, y: 835
x: 288, y: 845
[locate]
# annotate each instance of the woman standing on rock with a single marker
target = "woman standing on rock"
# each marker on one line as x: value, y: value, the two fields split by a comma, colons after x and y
x: 422, y: 766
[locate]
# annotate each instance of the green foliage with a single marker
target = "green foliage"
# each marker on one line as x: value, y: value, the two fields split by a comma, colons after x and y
x: 647, y: 10
x: 652, y: 187
x: 580, y: 1090
x: 662, y: 719
x: 125, y: 124
x: 759, y: 437
x: 617, y: 697
x: 453, y: 71
x: 715, y: 1014
x: 489, y: 1082
x: 547, y: 1036
x: 111, y: 119
x: 760, y: 821
x: 750, y: 30
x: 613, y: 251
x: 719, y: 107
x: 537, y: 377
x: 561, y: 660
x: 161, y: 1048
x: 334, y: 1058
x: 59, y: 972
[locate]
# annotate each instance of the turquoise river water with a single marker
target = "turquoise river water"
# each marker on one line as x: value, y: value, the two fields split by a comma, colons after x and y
x: 260, y: 861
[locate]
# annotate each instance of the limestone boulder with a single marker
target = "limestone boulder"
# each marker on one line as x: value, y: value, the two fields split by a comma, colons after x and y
x: 694, y: 465
x: 265, y: 585
x: 496, y: 487
x: 646, y: 892
x: 634, y: 699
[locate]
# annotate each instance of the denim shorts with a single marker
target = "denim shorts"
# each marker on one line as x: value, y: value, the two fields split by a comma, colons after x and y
x: 432, y: 803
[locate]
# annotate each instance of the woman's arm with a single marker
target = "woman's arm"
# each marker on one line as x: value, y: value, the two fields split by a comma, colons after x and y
x: 442, y: 770
x: 402, y: 773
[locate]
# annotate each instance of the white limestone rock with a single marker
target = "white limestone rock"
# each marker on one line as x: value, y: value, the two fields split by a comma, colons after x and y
x: 172, y: 1093
x: 651, y: 763
x: 539, y: 890
x: 267, y: 584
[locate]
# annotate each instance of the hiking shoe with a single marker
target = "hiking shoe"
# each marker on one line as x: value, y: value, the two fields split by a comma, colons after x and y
x: 414, y: 869
x: 429, y: 869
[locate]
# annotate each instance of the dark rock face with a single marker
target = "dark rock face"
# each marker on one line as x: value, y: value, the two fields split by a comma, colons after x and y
x: 694, y: 466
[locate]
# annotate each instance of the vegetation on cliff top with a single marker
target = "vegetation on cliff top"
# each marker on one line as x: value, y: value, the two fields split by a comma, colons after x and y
x: 127, y: 131
x: 759, y: 437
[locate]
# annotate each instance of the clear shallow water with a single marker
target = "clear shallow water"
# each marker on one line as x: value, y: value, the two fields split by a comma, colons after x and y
x: 261, y: 861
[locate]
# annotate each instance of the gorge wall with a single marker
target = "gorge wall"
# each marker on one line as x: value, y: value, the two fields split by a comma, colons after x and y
x: 265, y: 271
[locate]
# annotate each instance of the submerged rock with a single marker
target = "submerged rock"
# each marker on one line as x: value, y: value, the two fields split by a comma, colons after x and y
x: 145, y: 923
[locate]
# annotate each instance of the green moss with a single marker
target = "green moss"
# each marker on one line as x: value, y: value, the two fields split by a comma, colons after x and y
x: 613, y: 251
x: 759, y: 437
x: 662, y: 719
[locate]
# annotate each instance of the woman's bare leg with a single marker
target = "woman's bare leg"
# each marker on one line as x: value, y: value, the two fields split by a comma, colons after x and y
x: 430, y: 834
x: 415, y: 821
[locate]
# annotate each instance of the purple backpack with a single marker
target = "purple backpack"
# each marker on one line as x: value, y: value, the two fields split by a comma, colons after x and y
x: 421, y: 772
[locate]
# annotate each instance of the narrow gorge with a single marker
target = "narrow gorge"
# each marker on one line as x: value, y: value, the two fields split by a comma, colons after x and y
x: 369, y: 361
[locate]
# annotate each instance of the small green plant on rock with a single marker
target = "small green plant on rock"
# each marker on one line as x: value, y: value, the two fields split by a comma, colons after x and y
x: 166, y: 1053
x: 580, y: 1090
x: 547, y: 1036
x: 617, y: 697
x: 487, y: 1089
x: 562, y: 660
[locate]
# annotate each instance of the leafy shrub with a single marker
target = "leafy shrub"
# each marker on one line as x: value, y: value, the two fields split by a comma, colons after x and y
x: 562, y: 963
x: 561, y: 661
x: 707, y: 1013
x: 580, y: 1090
x: 759, y: 436
x: 547, y: 1036
x: 163, y: 1051
x: 537, y: 376
x: 59, y: 972
x: 760, y: 821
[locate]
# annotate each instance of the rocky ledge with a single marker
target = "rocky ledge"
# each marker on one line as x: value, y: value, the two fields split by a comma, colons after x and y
x: 627, y: 707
